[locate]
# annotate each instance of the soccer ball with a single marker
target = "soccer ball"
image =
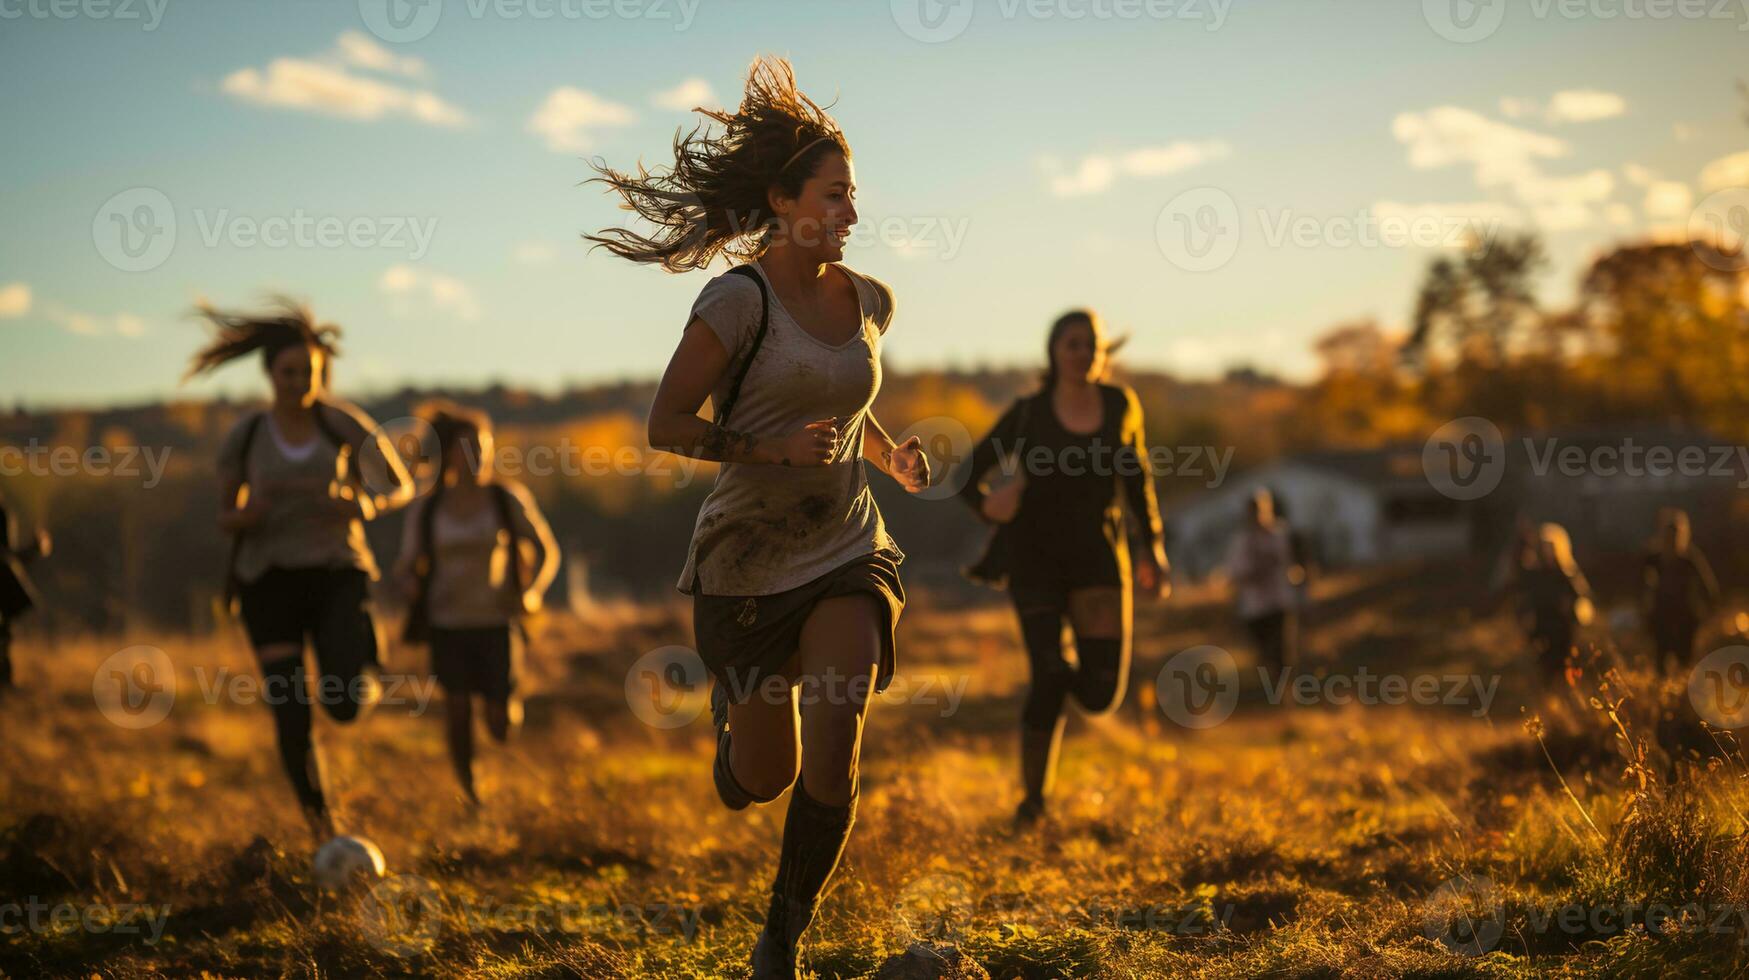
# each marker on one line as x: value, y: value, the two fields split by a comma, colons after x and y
x: 345, y: 860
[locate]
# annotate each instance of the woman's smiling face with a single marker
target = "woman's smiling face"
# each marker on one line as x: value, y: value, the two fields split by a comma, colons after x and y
x: 818, y: 220
x: 295, y: 373
x: 1079, y: 351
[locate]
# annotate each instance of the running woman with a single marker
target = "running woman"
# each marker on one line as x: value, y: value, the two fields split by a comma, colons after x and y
x: 792, y: 572
x: 1679, y: 591
x: 476, y: 558
x: 1554, y: 600
x: 1068, y: 552
x: 293, y: 496
x: 17, y: 596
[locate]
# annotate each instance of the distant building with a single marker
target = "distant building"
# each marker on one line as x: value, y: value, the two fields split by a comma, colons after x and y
x: 1356, y: 507
x: 1364, y: 507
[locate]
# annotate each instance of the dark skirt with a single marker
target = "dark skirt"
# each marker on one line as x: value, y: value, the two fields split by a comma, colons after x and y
x: 743, y: 639
x: 482, y: 660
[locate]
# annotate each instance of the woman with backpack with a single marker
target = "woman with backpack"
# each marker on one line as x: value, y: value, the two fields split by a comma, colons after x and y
x: 793, y: 576
x: 476, y: 558
x: 1062, y: 543
x: 297, y: 482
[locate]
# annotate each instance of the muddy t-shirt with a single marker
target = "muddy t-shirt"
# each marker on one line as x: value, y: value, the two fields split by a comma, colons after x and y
x: 765, y: 529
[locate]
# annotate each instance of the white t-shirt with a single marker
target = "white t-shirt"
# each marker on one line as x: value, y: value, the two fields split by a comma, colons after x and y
x: 1259, y: 565
x: 765, y: 529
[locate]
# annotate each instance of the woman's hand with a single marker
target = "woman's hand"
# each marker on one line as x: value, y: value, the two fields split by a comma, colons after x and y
x: 1152, y: 579
x: 253, y: 512
x: 1001, y: 505
x: 344, y: 502
x: 911, y: 465
x: 813, y: 444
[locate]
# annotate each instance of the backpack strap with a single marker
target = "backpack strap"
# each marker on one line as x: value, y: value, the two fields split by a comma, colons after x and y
x: 326, y: 427
x: 501, y: 498
x: 251, y: 428
x: 417, y: 628
x: 734, y: 395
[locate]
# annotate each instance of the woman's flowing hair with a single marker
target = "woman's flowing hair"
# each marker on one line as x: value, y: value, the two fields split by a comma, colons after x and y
x: 287, y: 323
x: 713, y: 200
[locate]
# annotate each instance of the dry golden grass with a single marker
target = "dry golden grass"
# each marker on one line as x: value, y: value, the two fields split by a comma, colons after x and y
x: 1296, y: 842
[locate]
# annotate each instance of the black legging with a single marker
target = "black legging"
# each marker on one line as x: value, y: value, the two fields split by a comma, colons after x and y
x: 1275, y: 634
x: 1097, y: 683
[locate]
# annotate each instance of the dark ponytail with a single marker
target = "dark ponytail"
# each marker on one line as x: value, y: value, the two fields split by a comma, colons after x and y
x: 288, y: 324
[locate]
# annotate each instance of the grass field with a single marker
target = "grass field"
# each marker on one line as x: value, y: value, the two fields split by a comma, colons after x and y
x: 1308, y: 840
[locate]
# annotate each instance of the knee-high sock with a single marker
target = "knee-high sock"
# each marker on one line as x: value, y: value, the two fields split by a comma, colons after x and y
x: 1099, y: 682
x: 285, y: 686
x: 813, y: 839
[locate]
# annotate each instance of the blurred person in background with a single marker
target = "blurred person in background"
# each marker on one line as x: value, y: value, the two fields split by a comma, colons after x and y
x: 17, y: 595
x: 1266, y: 579
x: 1678, y: 592
x: 297, y: 481
x: 476, y: 560
x: 1554, y: 600
x: 1062, y: 541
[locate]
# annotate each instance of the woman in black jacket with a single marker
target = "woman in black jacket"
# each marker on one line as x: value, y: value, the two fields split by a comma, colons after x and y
x: 1079, y: 447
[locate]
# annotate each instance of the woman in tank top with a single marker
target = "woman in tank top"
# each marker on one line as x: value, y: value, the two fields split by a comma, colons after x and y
x: 296, y: 484
x: 1079, y: 445
x: 793, y: 576
x: 476, y: 557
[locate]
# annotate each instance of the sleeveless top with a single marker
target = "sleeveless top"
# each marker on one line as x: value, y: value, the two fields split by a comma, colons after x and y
x: 766, y: 529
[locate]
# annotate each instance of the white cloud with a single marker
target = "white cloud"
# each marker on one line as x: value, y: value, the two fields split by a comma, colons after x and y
x: 1094, y: 175
x: 1500, y: 153
x: 1618, y: 214
x: 413, y: 291
x: 1482, y: 218
x: 535, y: 253
x: 1510, y: 158
x: 1637, y: 175
x: 566, y: 115
x: 689, y: 94
x: 1515, y: 108
x: 1682, y: 131
x: 1096, y: 172
x: 1591, y: 187
x: 312, y: 86
x: 1585, y: 105
x: 1564, y: 203
x: 1568, y: 106
x: 14, y: 300
x: 94, y: 324
x: 358, y: 49
x: 1725, y: 172
x: 1668, y: 199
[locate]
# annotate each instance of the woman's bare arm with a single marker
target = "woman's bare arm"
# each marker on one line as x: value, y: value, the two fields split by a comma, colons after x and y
x: 675, y: 426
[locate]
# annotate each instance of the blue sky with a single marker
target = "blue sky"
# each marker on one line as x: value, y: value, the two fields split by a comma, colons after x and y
x: 1024, y: 158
